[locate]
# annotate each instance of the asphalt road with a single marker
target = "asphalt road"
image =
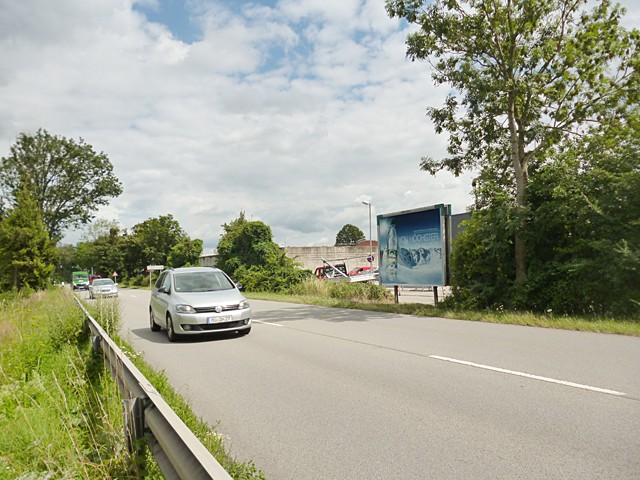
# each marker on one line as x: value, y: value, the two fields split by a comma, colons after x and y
x: 321, y: 393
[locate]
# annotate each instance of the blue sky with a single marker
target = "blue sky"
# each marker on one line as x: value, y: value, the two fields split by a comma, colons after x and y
x: 293, y: 111
x: 175, y: 15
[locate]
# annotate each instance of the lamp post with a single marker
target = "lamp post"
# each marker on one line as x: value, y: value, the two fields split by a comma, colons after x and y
x: 370, y: 240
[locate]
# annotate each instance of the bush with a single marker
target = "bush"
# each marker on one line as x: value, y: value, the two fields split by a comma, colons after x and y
x: 137, y: 281
x: 357, y: 292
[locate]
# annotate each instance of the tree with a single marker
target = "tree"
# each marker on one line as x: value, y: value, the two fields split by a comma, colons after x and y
x: 586, y: 210
x: 186, y: 252
x: 65, y: 261
x: 157, y: 236
x: 584, y: 241
x: 246, y: 244
x: 27, y: 255
x: 103, y: 254
x: 349, y: 235
x: 100, y: 227
x: 247, y: 252
x: 70, y: 180
x: 529, y: 75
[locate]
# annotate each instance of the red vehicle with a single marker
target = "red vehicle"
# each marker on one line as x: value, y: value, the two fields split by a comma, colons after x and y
x: 331, y: 271
x: 359, y: 271
x: 92, y: 278
x: 338, y: 272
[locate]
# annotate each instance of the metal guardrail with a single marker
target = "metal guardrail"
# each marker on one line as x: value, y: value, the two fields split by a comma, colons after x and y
x: 177, y: 450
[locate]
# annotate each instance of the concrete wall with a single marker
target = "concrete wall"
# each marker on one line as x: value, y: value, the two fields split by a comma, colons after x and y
x: 311, y: 257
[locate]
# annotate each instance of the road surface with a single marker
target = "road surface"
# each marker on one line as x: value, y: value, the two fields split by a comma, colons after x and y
x: 322, y: 393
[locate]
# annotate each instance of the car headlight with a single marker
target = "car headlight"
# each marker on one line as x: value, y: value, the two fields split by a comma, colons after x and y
x: 185, y: 309
x: 243, y: 305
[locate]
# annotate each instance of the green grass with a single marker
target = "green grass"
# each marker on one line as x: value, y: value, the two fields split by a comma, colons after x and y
x: 324, y: 294
x: 60, y: 410
x: 60, y: 416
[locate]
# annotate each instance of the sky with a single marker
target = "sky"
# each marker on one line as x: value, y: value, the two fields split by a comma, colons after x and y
x: 291, y: 111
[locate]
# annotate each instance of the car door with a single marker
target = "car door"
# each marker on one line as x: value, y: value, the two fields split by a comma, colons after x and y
x: 160, y: 300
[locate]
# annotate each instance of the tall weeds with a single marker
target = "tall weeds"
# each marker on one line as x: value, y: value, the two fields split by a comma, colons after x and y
x: 61, y: 413
x: 59, y: 418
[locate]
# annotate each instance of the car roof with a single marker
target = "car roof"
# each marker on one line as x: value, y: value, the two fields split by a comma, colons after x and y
x: 194, y: 269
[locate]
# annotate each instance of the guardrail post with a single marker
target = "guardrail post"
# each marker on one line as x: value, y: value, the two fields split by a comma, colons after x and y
x: 95, y: 344
x: 134, y: 430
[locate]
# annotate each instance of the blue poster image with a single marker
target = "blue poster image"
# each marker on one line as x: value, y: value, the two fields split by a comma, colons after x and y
x: 411, y: 248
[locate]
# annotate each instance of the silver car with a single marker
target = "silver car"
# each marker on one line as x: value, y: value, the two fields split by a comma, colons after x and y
x: 197, y: 300
x: 103, y: 287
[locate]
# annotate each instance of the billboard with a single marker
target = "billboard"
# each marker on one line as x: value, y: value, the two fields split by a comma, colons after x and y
x: 413, y: 246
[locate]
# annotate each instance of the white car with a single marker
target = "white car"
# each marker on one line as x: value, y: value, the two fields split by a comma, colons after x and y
x: 103, y: 287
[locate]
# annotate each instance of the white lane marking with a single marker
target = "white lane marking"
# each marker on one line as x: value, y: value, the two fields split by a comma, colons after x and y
x: 528, y: 375
x: 268, y: 323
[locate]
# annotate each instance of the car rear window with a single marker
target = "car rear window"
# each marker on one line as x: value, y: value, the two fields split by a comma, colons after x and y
x: 201, y: 282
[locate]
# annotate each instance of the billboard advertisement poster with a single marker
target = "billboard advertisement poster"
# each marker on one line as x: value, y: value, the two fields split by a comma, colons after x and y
x: 413, y: 247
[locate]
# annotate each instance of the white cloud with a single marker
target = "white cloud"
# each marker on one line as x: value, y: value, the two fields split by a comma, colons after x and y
x: 293, y: 114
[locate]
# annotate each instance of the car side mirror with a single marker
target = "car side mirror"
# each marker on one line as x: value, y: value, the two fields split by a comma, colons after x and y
x: 164, y: 290
x: 239, y: 286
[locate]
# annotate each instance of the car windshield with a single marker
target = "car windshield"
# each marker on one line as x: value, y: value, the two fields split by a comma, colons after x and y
x: 201, y: 282
x: 102, y: 281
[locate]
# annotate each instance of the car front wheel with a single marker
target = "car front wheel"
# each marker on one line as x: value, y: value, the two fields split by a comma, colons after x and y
x: 171, y: 334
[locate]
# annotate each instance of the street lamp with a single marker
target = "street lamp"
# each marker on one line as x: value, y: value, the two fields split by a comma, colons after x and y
x: 370, y: 240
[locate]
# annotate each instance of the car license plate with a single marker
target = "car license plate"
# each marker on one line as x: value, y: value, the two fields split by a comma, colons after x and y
x: 211, y: 320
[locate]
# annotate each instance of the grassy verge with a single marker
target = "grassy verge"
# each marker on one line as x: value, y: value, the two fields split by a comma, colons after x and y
x: 60, y: 415
x: 315, y: 293
x: 60, y: 411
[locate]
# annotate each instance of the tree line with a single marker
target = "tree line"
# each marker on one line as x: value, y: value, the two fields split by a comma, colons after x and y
x: 543, y: 106
x: 49, y: 183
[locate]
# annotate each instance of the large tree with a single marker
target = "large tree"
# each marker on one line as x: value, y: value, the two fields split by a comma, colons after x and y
x: 349, y: 235
x: 526, y: 75
x: 27, y: 255
x: 160, y: 241
x: 157, y: 236
x: 70, y: 180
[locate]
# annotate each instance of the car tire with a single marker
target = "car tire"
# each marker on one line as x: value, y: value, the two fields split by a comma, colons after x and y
x: 171, y: 334
x: 152, y: 323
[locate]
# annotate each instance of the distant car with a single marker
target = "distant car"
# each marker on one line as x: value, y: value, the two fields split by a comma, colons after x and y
x: 103, y: 287
x: 92, y: 278
x: 197, y: 300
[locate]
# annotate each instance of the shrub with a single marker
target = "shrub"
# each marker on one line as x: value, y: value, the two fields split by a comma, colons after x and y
x: 357, y: 292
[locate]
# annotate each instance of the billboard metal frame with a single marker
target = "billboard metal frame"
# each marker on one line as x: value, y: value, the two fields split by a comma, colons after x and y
x: 416, y: 253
